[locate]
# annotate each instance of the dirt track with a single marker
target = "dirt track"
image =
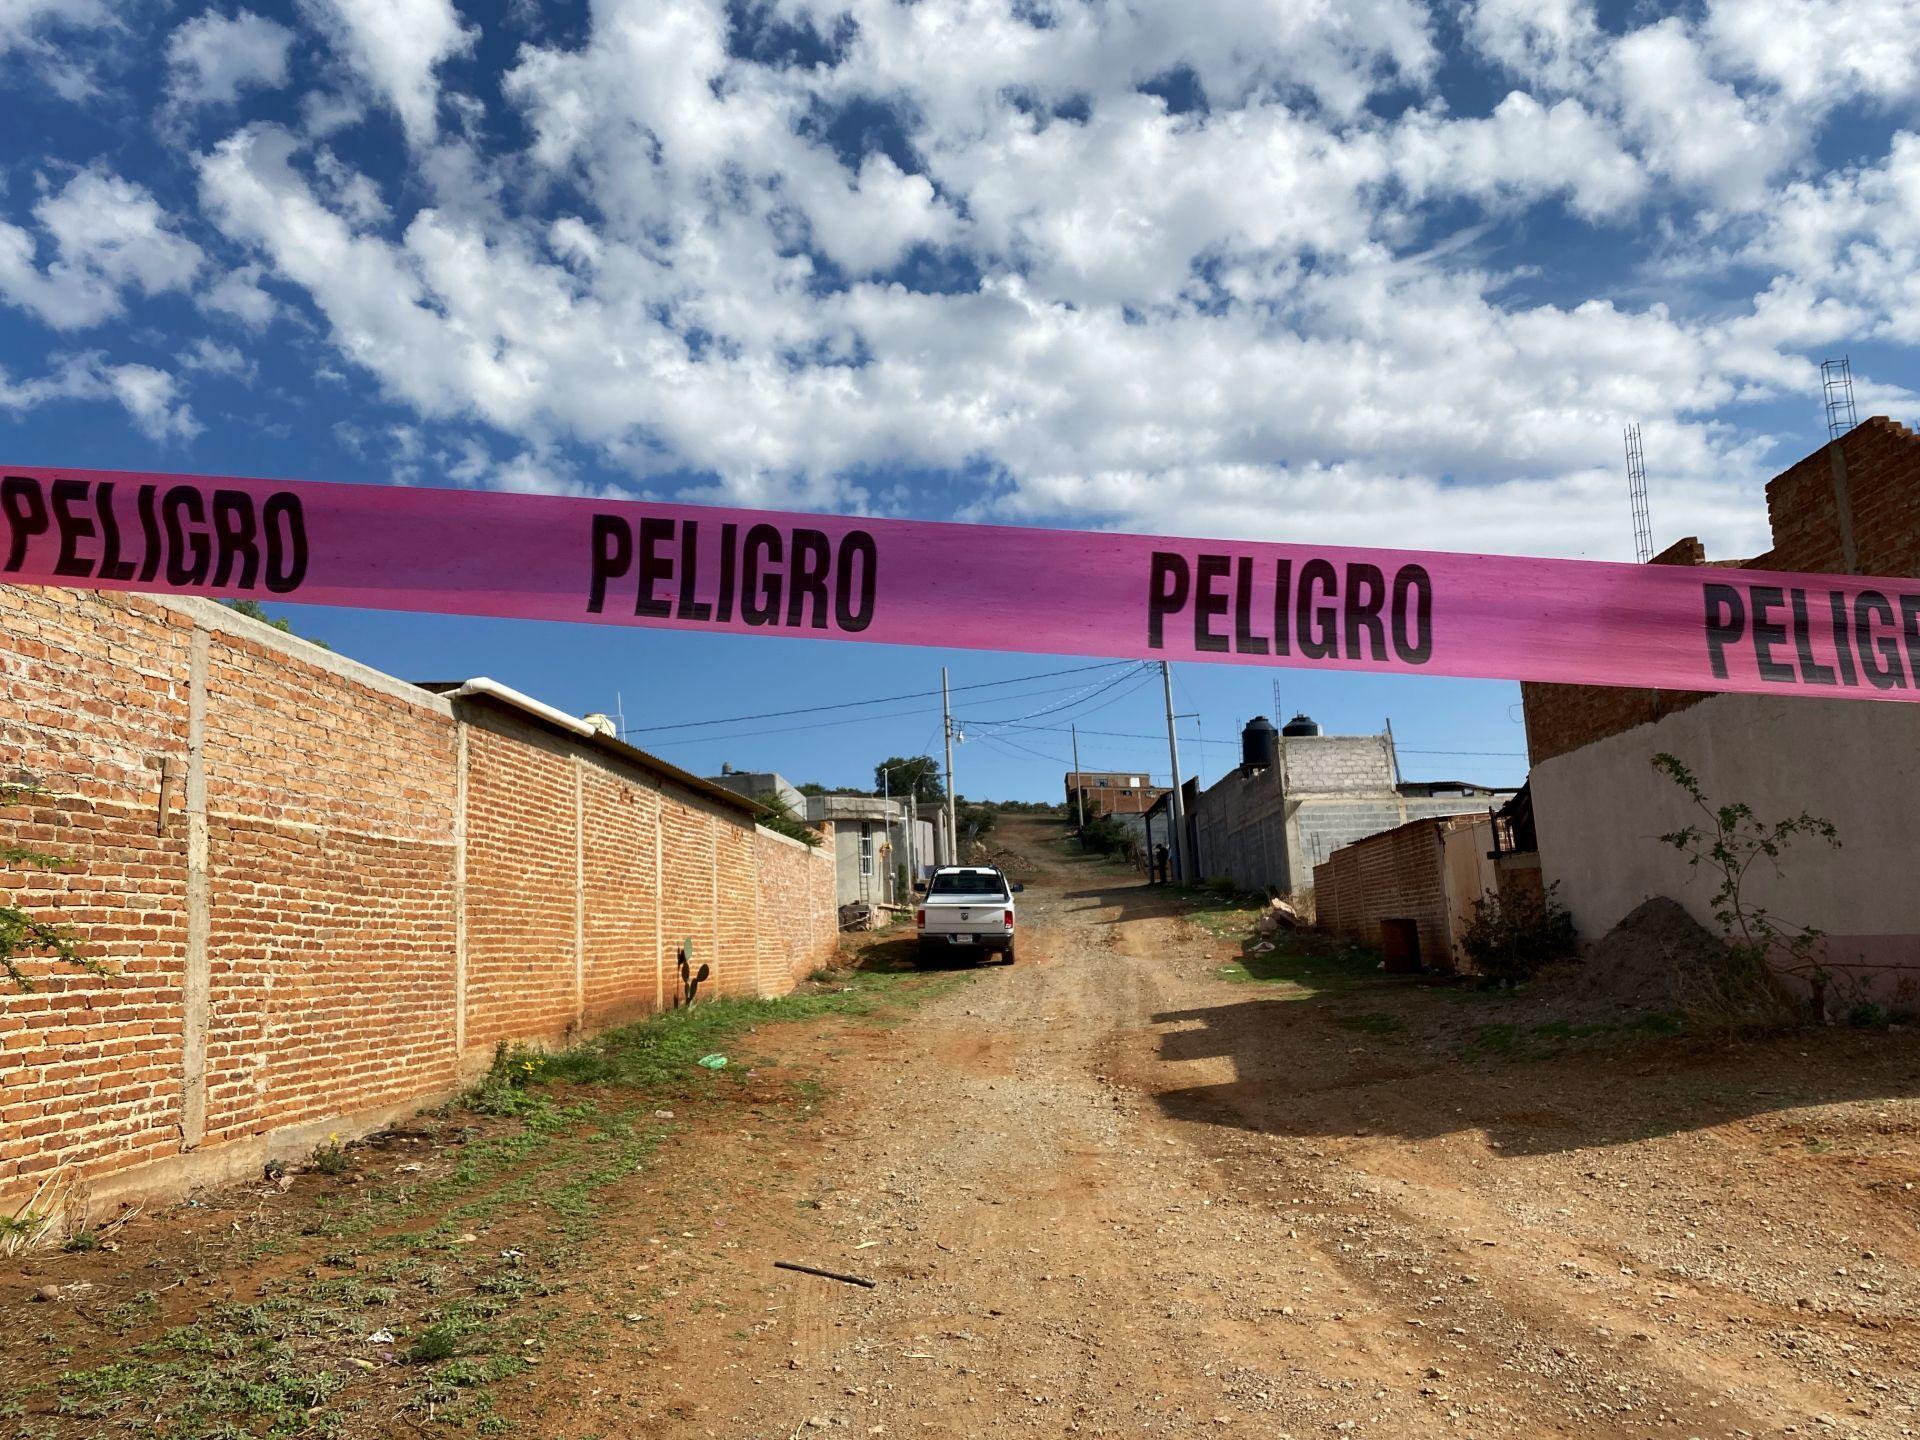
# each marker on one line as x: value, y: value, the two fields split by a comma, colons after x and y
x: 1110, y: 1192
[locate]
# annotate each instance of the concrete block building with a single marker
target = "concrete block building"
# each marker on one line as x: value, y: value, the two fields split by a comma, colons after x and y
x: 1268, y: 823
x: 871, y: 845
x: 766, y: 786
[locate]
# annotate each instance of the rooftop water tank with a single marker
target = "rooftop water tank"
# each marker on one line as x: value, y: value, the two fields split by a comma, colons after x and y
x: 1300, y: 725
x: 1259, y: 745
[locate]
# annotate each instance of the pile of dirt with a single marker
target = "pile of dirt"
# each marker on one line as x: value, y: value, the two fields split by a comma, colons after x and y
x: 1645, y: 965
x: 1011, y: 863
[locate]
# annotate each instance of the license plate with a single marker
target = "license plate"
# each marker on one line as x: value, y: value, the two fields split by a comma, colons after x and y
x: 963, y: 939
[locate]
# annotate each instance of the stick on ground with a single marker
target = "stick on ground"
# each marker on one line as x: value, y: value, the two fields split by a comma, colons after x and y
x: 824, y: 1274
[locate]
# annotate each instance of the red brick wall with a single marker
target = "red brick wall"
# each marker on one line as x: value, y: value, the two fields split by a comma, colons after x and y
x: 686, y: 838
x: 1397, y: 874
x: 734, y: 855
x: 330, y: 894
x: 799, y: 917
x: 90, y: 1068
x: 521, y: 832
x: 623, y: 965
x: 323, y: 980
x: 1881, y: 460
x: 1881, y: 464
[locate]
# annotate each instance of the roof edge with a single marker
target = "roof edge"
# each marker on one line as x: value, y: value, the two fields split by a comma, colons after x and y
x: 484, y: 687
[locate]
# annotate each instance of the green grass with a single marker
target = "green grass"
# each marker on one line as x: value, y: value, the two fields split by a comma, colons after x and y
x: 1226, y: 916
x: 294, y: 1361
x: 1532, y: 1042
x: 1309, y: 962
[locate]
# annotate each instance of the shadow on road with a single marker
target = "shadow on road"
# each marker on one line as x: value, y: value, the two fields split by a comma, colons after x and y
x: 1342, y: 1049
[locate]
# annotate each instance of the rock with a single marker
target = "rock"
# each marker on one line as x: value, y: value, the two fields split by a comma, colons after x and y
x: 47, y: 1292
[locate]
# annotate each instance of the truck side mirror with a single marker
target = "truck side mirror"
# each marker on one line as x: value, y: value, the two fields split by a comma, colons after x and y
x: 1018, y: 887
x: 919, y: 887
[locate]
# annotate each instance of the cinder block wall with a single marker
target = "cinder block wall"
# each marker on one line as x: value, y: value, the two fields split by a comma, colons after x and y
x: 1322, y: 764
x: 325, y: 894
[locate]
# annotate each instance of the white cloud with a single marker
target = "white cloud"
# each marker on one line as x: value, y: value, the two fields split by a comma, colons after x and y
x: 213, y: 59
x: 396, y: 46
x: 107, y: 236
x: 27, y: 23
x: 1521, y: 153
x: 1281, y: 313
x: 239, y: 296
x: 1853, y: 237
x: 350, y: 191
x: 249, y: 187
x: 1821, y: 52
x: 1552, y: 43
x: 1696, y: 129
x: 150, y: 397
x: 41, y: 34
x: 885, y: 212
x: 212, y: 358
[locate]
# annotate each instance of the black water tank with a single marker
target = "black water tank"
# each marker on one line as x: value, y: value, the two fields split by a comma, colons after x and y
x: 1300, y: 725
x: 1259, y: 745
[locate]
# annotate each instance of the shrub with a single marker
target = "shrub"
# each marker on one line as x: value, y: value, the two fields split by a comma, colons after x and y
x: 1509, y: 938
x: 1104, y: 835
x: 1727, y: 846
x: 502, y: 1090
x: 21, y: 933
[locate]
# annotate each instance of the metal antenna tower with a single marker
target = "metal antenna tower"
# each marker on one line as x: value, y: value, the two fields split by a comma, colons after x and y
x: 1836, y: 386
x: 1637, y: 492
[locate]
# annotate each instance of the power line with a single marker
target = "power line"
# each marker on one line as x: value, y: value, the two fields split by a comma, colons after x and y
x: 826, y: 724
x: 1001, y: 743
x: 876, y: 700
x: 789, y: 729
x: 1063, y: 704
x: 1189, y: 740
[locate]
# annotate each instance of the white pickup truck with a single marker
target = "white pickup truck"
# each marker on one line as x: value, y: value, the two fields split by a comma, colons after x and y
x: 967, y: 910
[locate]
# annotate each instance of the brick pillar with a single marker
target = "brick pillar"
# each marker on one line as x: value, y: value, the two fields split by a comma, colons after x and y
x: 460, y: 891
x: 197, y: 984
x: 579, y: 893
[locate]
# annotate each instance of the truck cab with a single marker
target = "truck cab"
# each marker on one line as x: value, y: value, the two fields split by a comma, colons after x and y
x: 967, y: 913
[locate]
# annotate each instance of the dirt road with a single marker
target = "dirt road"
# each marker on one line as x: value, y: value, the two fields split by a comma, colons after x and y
x: 1116, y: 1191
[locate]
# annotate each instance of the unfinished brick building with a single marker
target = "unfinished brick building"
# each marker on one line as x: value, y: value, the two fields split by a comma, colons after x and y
x: 324, y: 894
x: 1851, y: 507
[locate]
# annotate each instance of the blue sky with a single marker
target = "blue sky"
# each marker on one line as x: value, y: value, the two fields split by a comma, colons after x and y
x: 1373, y: 273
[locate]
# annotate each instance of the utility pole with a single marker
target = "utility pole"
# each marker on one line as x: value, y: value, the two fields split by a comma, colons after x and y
x: 1176, y: 851
x: 913, y: 846
x: 953, y: 831
x: 1079, y: 788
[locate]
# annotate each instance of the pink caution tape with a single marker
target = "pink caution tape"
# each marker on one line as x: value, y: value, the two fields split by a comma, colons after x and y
x: 988, y: 587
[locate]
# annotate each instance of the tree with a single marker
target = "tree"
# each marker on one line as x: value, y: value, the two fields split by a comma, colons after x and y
x: 976, y: 821
x: 919, y: 776
x: 253, y: 610
x: 1728, y: 845
x: 20, y: 933
x: 777, y: 814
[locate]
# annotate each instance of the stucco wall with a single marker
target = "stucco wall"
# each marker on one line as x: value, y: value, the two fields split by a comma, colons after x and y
x: 1601, y: 809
